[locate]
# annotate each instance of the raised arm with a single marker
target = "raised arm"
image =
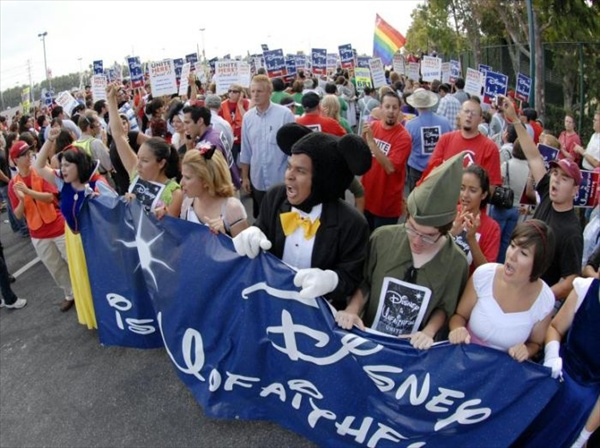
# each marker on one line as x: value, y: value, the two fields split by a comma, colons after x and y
x: 126, y: 154
x: 46, y: 153
x: 536, y: 162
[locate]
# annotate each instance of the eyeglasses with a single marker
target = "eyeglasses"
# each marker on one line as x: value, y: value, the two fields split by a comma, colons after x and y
x: 427, y: 239
x: 472, y: 113
x: 234, y: 91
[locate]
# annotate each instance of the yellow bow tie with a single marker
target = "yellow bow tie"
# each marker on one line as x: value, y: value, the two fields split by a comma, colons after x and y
x: 290, y: 221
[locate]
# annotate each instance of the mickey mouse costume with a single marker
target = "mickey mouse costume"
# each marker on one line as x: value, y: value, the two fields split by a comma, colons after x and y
x: 322, y: 236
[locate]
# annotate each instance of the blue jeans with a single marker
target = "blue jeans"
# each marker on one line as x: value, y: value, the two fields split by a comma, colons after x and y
x: 507, y: 219
x: 17, y: 225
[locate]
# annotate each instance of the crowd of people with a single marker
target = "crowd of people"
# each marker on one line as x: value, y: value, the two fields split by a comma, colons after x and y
x: 388, y: 203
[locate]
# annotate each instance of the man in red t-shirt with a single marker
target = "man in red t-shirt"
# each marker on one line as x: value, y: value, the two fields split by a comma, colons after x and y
x: 33, y: 197
x: 480, y: 149
x: 390, y: 144
x: 313, y: 119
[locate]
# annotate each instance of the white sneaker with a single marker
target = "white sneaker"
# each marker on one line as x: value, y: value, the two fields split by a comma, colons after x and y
x: 19, y: 303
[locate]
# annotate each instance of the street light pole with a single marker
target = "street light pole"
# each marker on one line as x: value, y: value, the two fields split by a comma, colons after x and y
x: 43, y: 36
x: 203, y: 52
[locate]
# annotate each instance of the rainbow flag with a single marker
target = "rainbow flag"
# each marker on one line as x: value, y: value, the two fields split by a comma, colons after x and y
x: 386, y: 41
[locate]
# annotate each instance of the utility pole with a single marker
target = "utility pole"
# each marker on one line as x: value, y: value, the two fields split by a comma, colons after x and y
x: 31, y: 96
x: 43, y: 36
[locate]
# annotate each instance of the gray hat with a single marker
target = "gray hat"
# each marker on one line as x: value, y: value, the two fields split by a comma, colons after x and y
x: 422, y: 99
x: 433, y: 202
x: 213, y: 101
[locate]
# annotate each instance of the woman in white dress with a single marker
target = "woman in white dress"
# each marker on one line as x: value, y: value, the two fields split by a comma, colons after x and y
x: 507, y: 306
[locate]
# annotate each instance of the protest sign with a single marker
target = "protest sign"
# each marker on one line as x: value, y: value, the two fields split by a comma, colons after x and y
x: 99, y: 85
x: 98, y: 67
x: 226, y: 73
x: 275, y: 63
x: 184, y: 82
x: 431, y: 68
x: 377, y: 72
x: 162, y: 77
x: 362, y: 77
x: 66, y: 100
x: 346, y: 56
x: 171, y: 282
x: 318, y: 57
x: 495, y: 84
x: 523, y: 87
x: 446, y: 72
x: 473, y: 82
x: 178, y: 64
x: 548, y: 154
x: 398, y: 63
x: 362, y: 61
x: 454, y: 70
x: 586, y: 195
x: 244, y: 74
x: 192, y: 58
x: 135, y: 72
x: 332, y: 62
x: 413, y: 71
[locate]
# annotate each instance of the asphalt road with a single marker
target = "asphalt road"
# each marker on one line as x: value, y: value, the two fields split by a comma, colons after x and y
x: 60, y: 388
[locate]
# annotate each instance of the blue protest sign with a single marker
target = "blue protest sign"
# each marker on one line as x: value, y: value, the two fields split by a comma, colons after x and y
x: 484, y: 68
x: 495, y: 84
x: 346, y: 56
x: 548, y: 154
x: 192, y: 58
x: 586, y: 195
x: 363, y: 61
x: 264, y: 47
x: 98, y: 67
x: 248, y: 346
x: 290, y: 64
x: 275, y: 63
x: 135, y: 71
x: 318, y: 57
x: 178, y: 63
x: 523, y: 87
x: 454, y: 70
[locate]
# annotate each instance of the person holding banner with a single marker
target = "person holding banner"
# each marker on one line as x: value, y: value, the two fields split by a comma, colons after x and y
x: 209, y: 191
x: 572, y: 347
x: 414, y: 273
x: 75, y: 180
x: 557, y: 190
x: 508, y: 306
x: 155, y: 165
x: 305, y: 223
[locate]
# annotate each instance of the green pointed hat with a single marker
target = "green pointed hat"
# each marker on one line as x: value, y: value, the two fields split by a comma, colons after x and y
x: 433, y: 202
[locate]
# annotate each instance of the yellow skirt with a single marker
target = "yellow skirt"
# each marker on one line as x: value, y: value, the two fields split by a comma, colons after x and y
x: 80, y: 280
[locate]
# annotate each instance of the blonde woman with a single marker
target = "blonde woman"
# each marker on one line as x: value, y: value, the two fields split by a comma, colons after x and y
x: 330, y: 107
x: 209, y: 192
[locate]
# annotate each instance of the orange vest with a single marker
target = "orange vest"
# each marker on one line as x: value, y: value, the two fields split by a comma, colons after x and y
x: 37, y: 213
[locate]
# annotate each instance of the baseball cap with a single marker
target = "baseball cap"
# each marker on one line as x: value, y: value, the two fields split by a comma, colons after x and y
x: 18, y: 149
x: 310, y: 100
x: 567, y: 165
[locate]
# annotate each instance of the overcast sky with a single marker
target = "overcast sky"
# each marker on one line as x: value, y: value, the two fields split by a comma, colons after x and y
x: 111, y: 30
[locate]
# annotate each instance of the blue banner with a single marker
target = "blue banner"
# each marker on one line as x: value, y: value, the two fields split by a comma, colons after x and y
x: 248, y: 346
x: 275, y: 63
x: 495, y: 84
x: 523, y: 87
x: 346, y: 56
x: 135, y: 71
x: 318, y: 57
x: 290, y: 65
x: 98, y: 67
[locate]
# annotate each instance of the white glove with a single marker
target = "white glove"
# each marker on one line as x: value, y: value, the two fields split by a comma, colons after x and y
x: 315, y: 282
x: 552, y: 359
x: 250, y: 241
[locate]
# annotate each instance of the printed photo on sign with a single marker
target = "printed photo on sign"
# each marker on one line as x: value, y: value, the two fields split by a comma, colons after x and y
x: 402, y: 306
x: 429, y: 138
x: 548, y: 154
x: 148, y: 193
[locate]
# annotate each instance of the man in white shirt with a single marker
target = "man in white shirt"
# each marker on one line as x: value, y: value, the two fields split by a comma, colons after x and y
x: 591, y: 155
